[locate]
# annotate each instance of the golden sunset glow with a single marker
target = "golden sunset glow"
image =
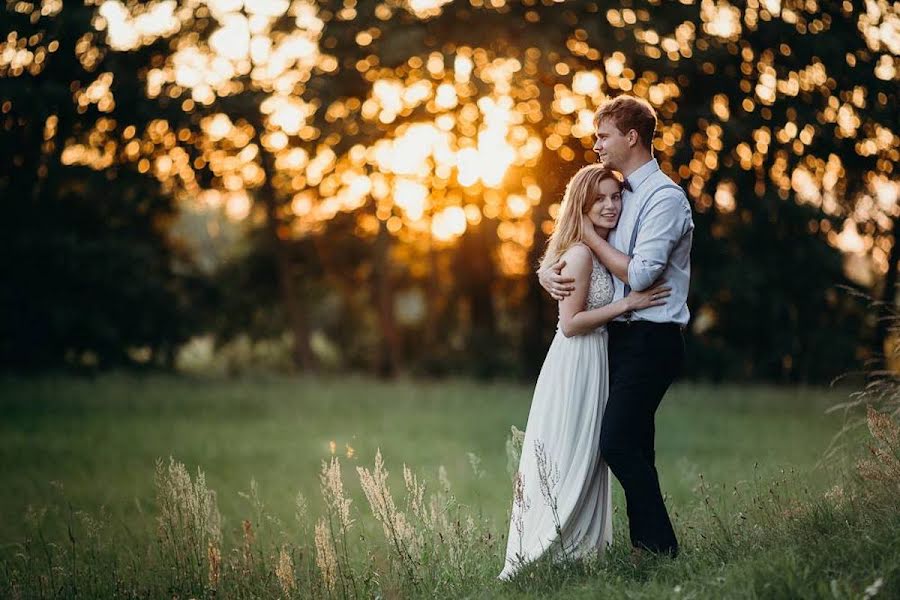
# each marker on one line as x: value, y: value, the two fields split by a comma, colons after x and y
x: 434, y: 145
x: 720, y: 19
x: 425, y: 8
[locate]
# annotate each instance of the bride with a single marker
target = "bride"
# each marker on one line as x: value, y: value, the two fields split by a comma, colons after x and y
x: 561, y: 504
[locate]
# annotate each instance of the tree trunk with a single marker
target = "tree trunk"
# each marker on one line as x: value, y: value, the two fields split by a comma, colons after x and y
x: 534, y: 346
x: 301, y: 354
x: 388, y: 360
x: 432, y: 300
x: 887, y: 317
x: 483, y: 317
x: 476, y: 272
x: 540, y: 307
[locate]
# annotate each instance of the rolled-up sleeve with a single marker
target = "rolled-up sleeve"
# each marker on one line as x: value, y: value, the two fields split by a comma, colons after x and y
x: 663, y: 224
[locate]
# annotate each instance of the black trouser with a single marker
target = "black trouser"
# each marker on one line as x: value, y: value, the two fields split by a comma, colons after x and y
x: 644, y: 359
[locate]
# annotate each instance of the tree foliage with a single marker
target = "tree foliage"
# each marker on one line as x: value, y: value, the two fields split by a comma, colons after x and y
x: 396, y: 165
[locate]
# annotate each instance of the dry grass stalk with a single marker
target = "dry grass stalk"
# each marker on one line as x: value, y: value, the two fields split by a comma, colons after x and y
x: 326, y: 558
x: 521, y: 504
x: 338, y: 509
x: 415, y: 497
x: 301, y: 510
x: 514, y: 450
x: 332, y: 484
x: 214, y: 556
x: 188, y: 521
x: 884, y: 464
x: 249, y: 539
x: 284, y: 571
x: 405, y: 541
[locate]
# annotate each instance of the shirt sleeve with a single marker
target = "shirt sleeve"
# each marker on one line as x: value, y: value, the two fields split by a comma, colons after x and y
x: 662, y: 226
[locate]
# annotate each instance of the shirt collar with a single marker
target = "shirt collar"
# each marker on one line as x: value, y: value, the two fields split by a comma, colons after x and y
x: 642, y: 173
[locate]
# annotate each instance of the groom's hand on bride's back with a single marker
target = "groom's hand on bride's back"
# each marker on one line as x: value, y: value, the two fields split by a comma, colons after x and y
x: 551, y: 279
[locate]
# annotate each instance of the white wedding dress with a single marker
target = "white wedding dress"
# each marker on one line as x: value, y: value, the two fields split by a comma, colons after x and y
x: 562, y: 502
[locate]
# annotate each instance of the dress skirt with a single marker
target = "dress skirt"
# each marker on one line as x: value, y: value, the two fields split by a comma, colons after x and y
x: 562, y: 503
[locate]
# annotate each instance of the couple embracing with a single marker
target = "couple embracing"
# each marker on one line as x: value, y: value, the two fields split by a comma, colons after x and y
x: 618, y: 262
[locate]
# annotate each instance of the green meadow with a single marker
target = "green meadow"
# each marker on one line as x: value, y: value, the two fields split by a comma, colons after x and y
x: 742, y: 469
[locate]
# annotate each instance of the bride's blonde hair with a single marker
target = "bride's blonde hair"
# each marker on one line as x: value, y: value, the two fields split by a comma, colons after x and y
x: 577, y: 200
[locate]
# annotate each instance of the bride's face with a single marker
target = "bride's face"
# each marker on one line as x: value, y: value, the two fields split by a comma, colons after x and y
x: 604, y: 212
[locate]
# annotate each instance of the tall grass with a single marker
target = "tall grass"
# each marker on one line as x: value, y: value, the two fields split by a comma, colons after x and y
x: 761, y: 538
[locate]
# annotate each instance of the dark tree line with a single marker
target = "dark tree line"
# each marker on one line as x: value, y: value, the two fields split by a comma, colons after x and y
x: 93, y: 274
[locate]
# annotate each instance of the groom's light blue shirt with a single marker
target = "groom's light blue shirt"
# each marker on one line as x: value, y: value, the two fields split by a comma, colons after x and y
x: 662, y: 250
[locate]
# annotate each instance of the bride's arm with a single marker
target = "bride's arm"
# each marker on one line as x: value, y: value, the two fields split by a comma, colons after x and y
x: 575, y: 320
x: 617, y: 262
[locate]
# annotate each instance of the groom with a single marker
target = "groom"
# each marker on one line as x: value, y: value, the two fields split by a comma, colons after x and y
x: 651, y: 243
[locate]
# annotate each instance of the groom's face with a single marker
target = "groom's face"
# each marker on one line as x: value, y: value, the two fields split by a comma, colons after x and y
x: 612, y: 145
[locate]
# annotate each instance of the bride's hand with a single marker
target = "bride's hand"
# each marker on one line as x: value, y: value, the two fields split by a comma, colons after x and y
x: 655, y: 296
x: 588, y: 233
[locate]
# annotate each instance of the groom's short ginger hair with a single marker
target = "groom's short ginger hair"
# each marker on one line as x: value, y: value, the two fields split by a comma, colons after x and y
x: 626, y: 113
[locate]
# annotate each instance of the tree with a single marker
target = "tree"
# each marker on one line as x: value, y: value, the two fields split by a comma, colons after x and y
x: 91, y: 277
x: 753, y: 123
x: 439, y: 135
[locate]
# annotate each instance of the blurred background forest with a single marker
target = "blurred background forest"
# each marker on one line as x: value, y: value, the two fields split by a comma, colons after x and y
x: 355, y: 185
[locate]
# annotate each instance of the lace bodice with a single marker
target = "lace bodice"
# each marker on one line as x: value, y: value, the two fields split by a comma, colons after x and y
x: 600, y: 291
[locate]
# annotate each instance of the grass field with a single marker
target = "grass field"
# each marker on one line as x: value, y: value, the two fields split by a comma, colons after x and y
x: 94, y: 443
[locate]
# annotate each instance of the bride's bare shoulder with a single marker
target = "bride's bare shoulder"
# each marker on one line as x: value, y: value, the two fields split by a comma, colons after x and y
x: 577, y: 251
x: 577, y: 256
